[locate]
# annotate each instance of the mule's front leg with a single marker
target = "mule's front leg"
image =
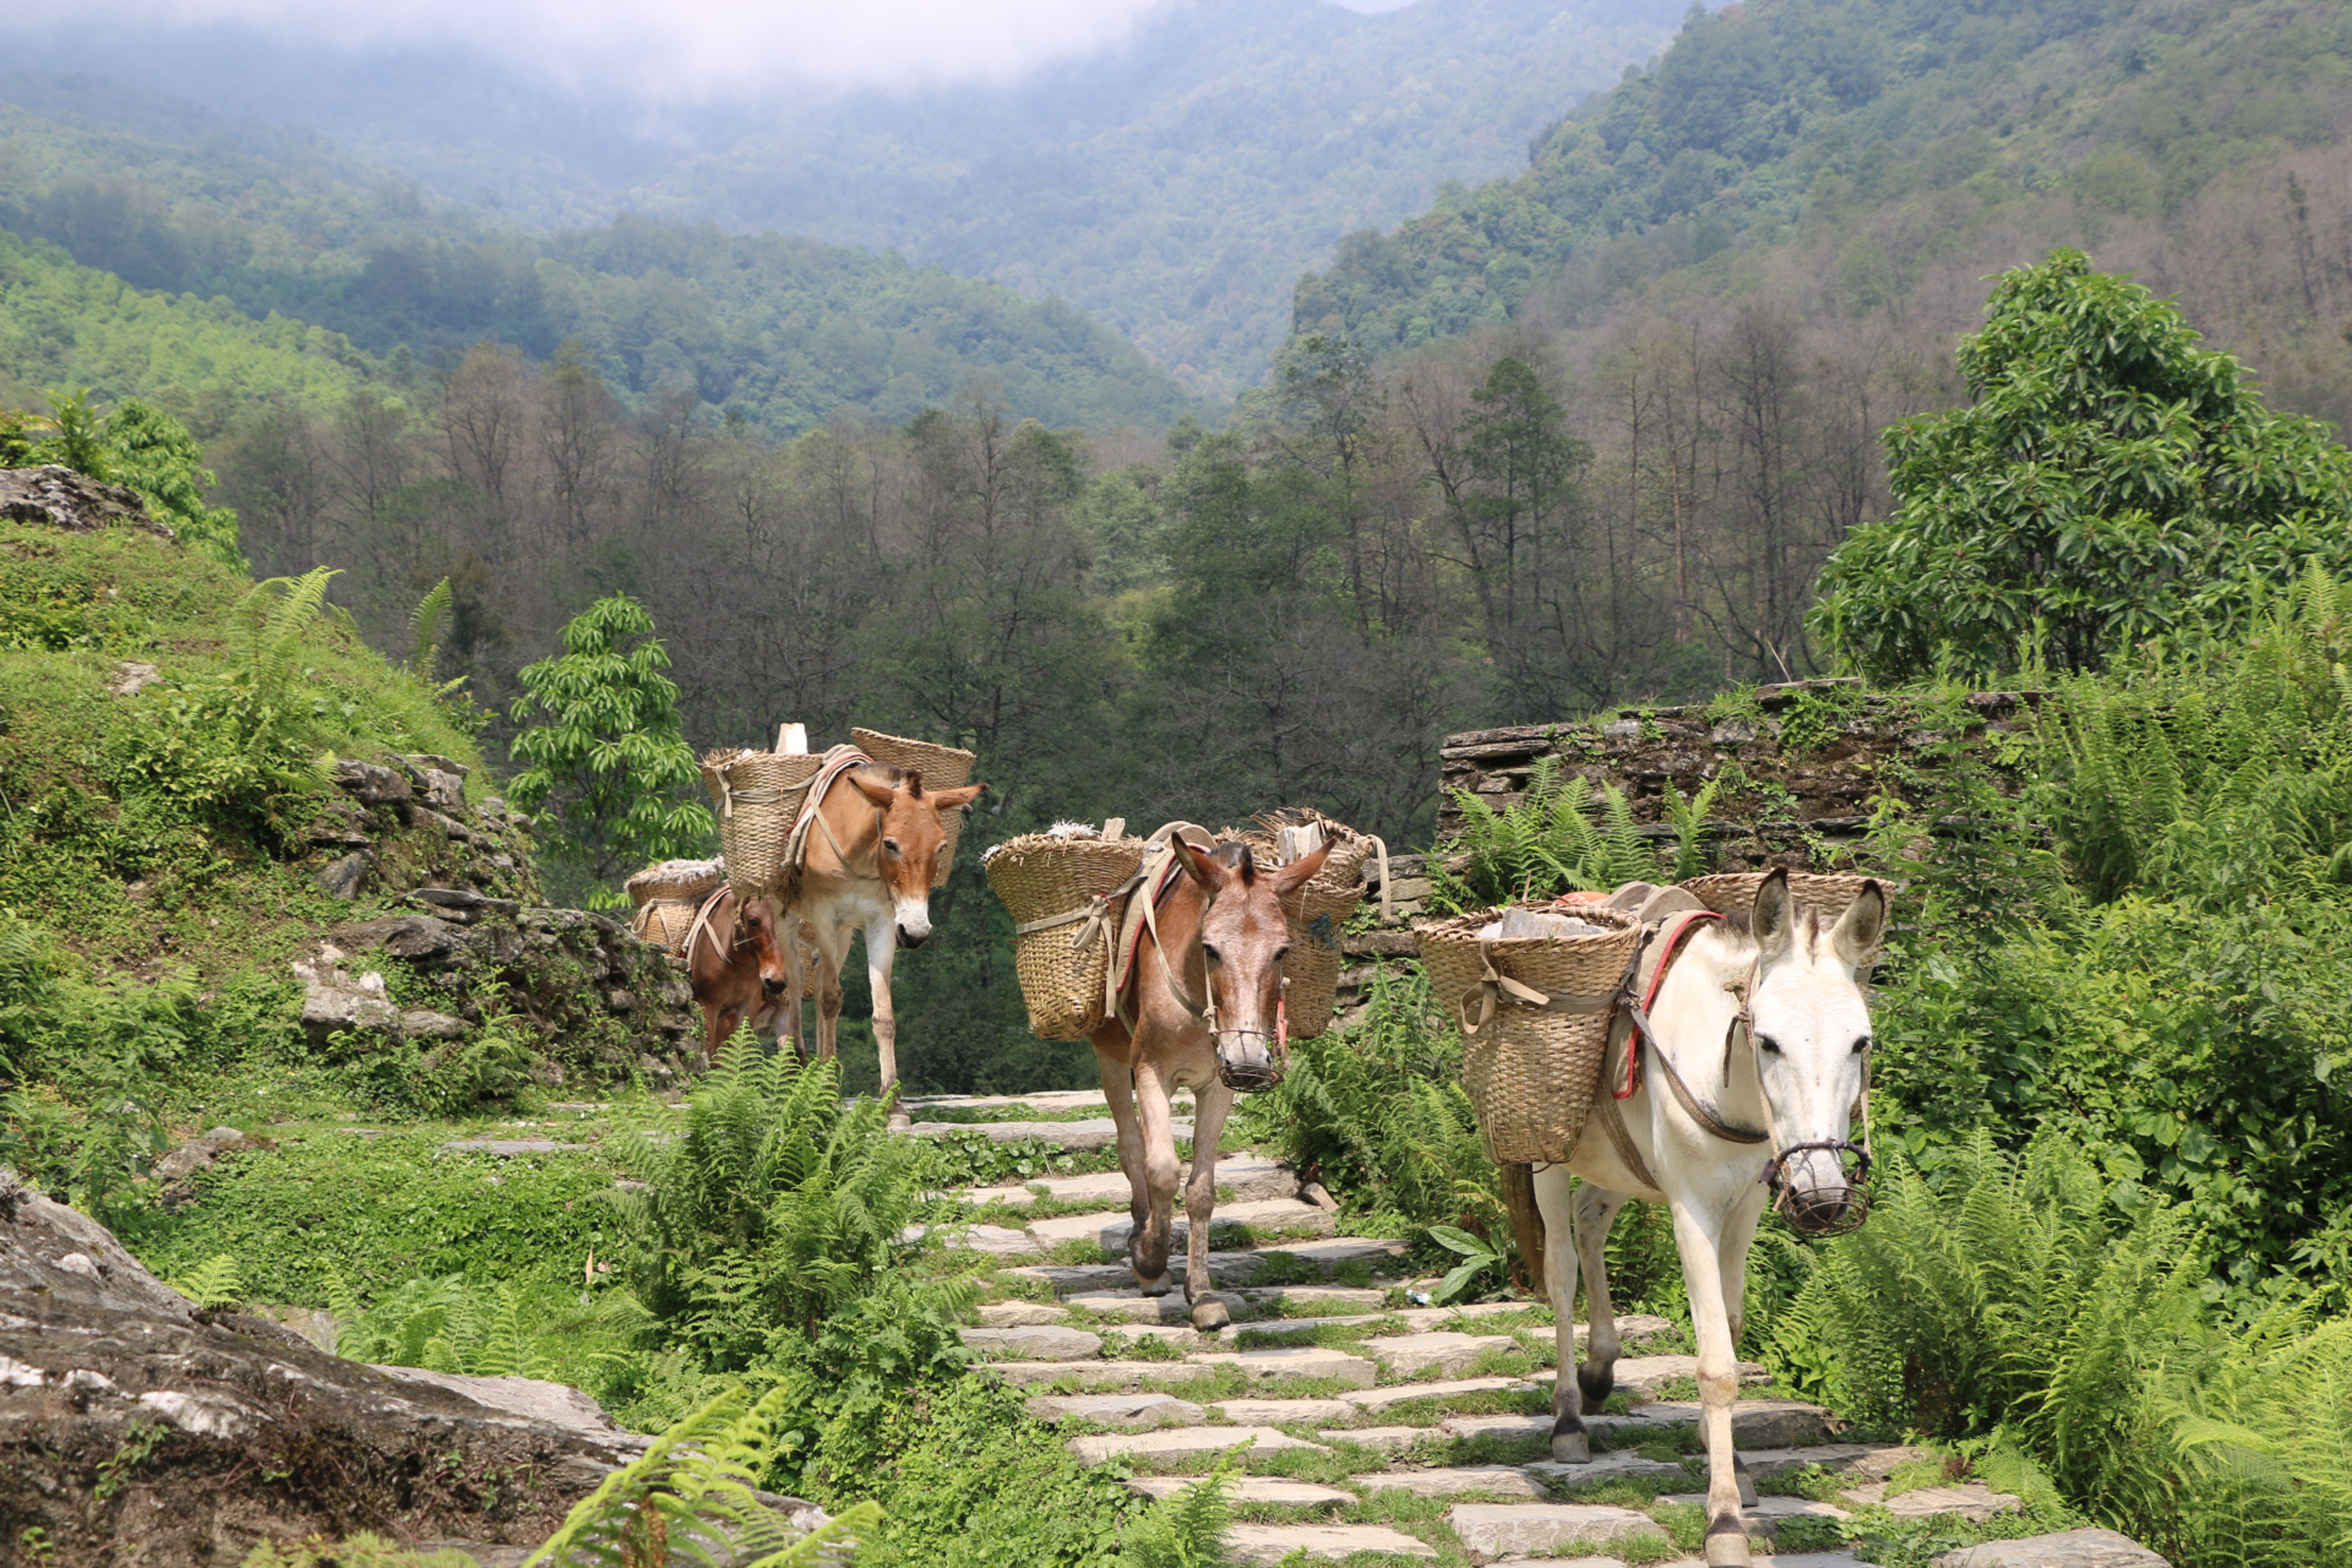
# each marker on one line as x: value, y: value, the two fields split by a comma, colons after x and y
x: 1700, y: 1241
x: 1571, y: 1445
x: 1211, y: 1105
x: 1147, y: 1250
x: 1739, y: 1236
x: 881, y: 947
x: 1596, y: 1374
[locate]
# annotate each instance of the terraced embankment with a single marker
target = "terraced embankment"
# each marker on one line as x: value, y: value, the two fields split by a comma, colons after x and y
x: 1380, y: 1429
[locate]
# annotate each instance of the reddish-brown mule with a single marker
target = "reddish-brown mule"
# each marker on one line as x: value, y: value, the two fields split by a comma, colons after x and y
x: 736, y: 964
x: 1207, y: 1006
x: 870, y: 859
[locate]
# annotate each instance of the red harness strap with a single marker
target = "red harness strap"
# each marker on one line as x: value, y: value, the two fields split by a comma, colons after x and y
x: 1682, y: 927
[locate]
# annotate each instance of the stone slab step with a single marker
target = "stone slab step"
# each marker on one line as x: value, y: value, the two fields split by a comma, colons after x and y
x: 1020, y: 1314
x: 1177, y: 1440
x: 1382, y: 1398
x: 1224, y: 1268
x: 1177, y: 1334
x: 2066, y: 1548
x: 1251, y: 1177
x: 1000, y: 1240
x: 1095, y: 1374
x: 1962, y: 1500
x: 1074, y: 1137
x: 1647, y: 1374
x: 1044, y: 1099
x: 1766, y: 1515
x: 1755, y: 1423
x: 1611, y: 1464
x: 1838, y: 1459
x: 1289, y: 1216
x: 1294, y: 1361
x: 1422, y: 1319
x: 1501, y: 1480
x: 1632, y: 1328
x: 1271, y: 1543
x: 1307, y: 1326
x: 1043, y: 1342
x: 1284, y: 1412
x: 1385, y: 1439
x: 1494, y: 1529
x: 1137, y: 1412
x: 1134, y: 1307
x: 1249, y: 1488
x: 1778, y: 1560
x: 1404, y: 1355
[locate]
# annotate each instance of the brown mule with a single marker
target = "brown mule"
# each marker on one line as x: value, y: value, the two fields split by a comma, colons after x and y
x: 735, y: 961
x: 871, y: 858
x: 1206, y: 1001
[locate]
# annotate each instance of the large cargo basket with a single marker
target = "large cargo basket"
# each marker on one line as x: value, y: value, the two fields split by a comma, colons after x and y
x: 942, y: 767
x: 1058, y: 888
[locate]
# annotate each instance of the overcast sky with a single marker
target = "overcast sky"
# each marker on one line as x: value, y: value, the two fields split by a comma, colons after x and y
x: 696, y: 48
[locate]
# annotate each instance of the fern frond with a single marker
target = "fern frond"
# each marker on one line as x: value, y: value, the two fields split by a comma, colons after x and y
x: 424, y: 629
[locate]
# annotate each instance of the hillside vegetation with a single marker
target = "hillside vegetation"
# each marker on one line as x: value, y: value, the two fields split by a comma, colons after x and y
x: 775, y: 330
x: 1172, y: 186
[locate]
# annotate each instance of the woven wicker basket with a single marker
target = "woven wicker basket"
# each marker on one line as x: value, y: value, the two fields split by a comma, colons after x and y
x: 666, y: 921
x: 756, y: 795
x: 694, y: 880
x: 1062, y: 965
x: 1734, y: 892
x: 942, y: 767
x: 1318, y: 912
x: 1531, y: 1074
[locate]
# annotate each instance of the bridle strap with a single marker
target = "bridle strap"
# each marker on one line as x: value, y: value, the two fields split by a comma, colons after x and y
x: 703, y: 926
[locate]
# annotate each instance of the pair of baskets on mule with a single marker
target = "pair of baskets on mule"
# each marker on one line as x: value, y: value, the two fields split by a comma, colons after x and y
x: 667, y: 898
x: 1536, y: 1010
x: 1067, y: 892
x: 757, y: 798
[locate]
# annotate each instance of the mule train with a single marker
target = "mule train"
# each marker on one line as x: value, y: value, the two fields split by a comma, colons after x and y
x: 848, y: 844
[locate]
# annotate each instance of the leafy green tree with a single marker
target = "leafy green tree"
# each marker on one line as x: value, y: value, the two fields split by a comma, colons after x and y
x: 2110, y: 482
x: 607, y: 762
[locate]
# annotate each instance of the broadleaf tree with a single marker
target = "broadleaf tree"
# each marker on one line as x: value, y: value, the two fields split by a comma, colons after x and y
x: 609, y: 776
x: 2109, y: 482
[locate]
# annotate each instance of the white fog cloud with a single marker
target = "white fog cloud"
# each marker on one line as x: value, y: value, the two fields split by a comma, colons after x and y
x: 702, y: 47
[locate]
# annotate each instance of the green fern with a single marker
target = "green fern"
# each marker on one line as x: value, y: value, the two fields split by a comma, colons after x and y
x: 1187, y: 1529
x: 218, y: 1281
x: 424, y: 629
x: 1561, y: 836
x: 693, y: 1497
x: 272, y: 620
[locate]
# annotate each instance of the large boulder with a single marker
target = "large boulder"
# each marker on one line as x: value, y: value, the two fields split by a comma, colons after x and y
x: 137, y: 1428
x: 75, y: 502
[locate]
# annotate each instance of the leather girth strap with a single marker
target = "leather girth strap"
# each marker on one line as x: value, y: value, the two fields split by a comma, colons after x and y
x: 702, y: 926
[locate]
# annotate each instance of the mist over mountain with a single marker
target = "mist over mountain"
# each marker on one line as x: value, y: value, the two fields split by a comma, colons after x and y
x: 1174, y: 184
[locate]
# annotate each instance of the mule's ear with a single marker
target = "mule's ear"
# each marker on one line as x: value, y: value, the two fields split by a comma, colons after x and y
x: 1299, y: 872
x: 949, y: 800
x: 880, y: 793
x: 1856, y: 936
x: 1200, y: 866
x: 1773, y: 919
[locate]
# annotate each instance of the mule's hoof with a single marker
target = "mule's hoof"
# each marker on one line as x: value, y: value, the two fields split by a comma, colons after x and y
x: 1572, y: 1448
x: 901, y: 1122
x: 1728, y: 1548
x: 1149, y: 1287
x: 1210, y: 1315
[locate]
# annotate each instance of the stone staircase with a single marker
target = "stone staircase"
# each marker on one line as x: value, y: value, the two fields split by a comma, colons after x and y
x: 1376, y: 1424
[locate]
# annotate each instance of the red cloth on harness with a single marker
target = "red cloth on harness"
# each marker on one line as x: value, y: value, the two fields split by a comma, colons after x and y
x: 1681, y: 928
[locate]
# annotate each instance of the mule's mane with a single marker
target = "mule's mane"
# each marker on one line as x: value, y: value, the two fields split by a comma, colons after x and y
x: 1810, y: 928
x: 893, y: 775
x: 1235, y: 855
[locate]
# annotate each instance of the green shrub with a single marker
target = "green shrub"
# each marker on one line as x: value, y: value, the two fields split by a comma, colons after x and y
x: 1560, y: 836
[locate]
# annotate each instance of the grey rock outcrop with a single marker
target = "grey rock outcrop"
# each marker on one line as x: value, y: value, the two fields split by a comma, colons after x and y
x: 2067, y: 1548
x: 75, y: 502
x: 136, y: 1428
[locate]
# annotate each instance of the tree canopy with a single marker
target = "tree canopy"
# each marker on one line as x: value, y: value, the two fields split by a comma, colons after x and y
x: 2109, y: 482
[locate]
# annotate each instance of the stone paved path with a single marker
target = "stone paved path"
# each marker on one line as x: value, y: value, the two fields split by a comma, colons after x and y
x: 1374, y: 1426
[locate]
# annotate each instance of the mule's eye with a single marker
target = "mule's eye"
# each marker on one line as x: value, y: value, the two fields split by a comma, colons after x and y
x: 1282, y: 952
x: 1767, y: 1045
x: 1209, y: 951
x: 891, y: 844
x: 1860, y: 1044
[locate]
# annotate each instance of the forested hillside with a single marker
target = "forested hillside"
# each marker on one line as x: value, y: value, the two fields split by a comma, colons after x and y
x: 1739, y: 267
x: 775, y: 329
x: 1174, y: 186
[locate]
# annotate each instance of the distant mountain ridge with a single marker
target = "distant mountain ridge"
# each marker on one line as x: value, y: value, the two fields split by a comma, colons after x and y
x: 282, y: 226
x: 1174, y: 187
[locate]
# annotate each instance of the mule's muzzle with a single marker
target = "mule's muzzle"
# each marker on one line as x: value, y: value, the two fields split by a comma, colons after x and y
x: 908, y: 939
x: 772, y: 989
x: 1822, y: 1209
x: 1242, y: 1064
